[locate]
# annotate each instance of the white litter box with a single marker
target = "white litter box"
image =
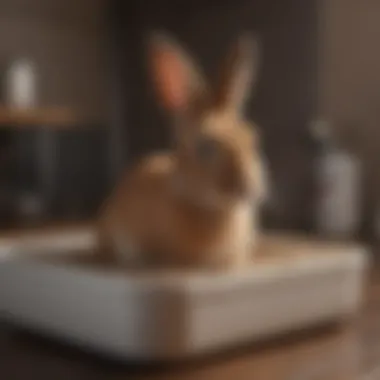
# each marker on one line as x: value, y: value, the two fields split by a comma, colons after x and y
x: 294, y: 283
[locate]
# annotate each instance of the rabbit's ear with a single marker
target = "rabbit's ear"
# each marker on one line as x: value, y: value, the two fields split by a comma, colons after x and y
x: 238, y: 74
x: 177, y: 80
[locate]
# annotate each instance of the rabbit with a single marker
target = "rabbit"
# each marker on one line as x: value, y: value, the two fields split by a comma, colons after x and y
x: 197, y: 205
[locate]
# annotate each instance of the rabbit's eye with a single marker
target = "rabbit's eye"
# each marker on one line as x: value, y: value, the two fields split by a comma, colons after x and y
x: 207, y: 149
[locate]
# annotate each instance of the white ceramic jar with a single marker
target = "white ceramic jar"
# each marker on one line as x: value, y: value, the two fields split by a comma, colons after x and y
x: 338, y: 172
x: 20, y: 84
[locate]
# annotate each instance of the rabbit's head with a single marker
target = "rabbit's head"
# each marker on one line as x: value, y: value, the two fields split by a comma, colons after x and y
x: 218, y: 149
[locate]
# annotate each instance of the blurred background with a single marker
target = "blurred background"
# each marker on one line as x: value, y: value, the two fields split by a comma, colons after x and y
x: 77, y: 109
x: 78, y: 106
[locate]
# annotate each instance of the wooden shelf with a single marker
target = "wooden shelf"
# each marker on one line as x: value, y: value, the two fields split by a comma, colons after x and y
x: 46, y: 117
x: 19, y: 228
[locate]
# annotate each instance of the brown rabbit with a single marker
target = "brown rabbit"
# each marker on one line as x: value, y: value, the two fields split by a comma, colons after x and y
x: 197, y: 205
